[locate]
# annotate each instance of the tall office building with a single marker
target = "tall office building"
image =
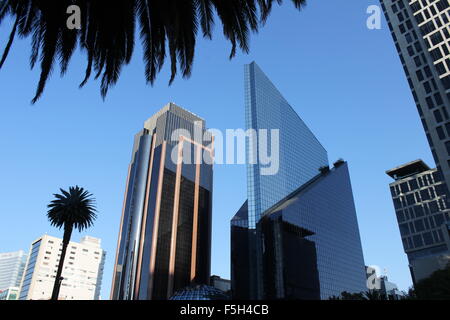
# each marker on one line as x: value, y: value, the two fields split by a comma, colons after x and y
x: 12, y: 265
x: 421, y: 205
x: 165, y: 232
x: 421, y: 32
x: 82, y: 272
x: 301, y: 157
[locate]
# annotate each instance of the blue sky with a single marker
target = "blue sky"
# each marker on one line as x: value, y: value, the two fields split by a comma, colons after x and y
x: 344, y: 80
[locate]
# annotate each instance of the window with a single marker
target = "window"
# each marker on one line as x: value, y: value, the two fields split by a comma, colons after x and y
x: 428, y: 238
x: 404, y: 187
x: 447, y: 146
x: 438, y: 116
x: 436, y: 38
x: 413, y: 184
x: 418, y: 224
x: 440, y: 189
x: 417, y: 61
x: 419, y: 75
x: 436, y: 54
x: 417, y: 241
x: 438, y: 99
x: 441, y: 68
x: 400, y: 216
x: 441, y: 133
x: 424, y: 195
x: 439, y: 219
x: 430, y: 102
x: 418, y: 47
x: 433, y: 207
x: 404, y: 230
x: 427, y: 87
x: 410, y: 199
x: 418, y: 210
x: 408, y: 38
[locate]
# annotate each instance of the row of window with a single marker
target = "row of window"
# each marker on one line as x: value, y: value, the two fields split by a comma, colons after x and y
x: 421, y: 225
x: 423, y: 239
x: 418, y: 5
x: 414, y: 184
x: 415, y: 199
x: 418, y: 211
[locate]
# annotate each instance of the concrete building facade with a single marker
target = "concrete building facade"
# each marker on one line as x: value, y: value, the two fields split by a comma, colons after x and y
x: 423, y: 214
x: 82, y: 272
x: 421, y: 33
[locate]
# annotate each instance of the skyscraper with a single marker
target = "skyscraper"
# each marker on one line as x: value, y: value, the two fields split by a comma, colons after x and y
x: 423, y: 215
x: 421, y: 33
x: 12, y: 265
x: 82, y: 272
x: 165, y: 232
x: 301, y: 157
x: 300, y: 153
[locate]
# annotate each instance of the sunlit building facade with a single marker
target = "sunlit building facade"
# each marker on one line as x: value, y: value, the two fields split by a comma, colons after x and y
x: 165, y: 231
x: 82, y: 272
x: 421, y: 33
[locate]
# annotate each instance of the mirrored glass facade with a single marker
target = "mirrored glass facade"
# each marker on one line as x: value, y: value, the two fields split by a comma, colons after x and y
x: 300, y: 153
x: 199, y: 292
x: 319, y: 224
x: 326, y: 208
x: 165, y: 235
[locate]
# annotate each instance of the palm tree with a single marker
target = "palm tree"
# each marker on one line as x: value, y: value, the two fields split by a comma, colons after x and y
x: 108, y: 31
x: 73, y: 209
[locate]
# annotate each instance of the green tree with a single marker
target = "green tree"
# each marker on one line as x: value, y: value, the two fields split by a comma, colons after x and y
x: 352, y: 296
x: 435, y: 287
x: 72, y: 210
x: 108, y: 30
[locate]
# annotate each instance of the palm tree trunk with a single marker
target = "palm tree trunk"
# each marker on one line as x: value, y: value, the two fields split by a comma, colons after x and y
x: 65, y: 243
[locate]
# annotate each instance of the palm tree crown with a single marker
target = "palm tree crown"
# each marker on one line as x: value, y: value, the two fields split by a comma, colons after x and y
x: 108, y: 30
x: 75, y: 208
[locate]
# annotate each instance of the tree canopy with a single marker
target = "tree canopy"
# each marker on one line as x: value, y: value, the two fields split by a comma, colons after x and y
x: 107, y: 34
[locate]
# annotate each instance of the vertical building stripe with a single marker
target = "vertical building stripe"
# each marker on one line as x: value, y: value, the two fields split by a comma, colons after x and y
x: 195, y: 218
x: 176, y: 205
x: 120, y: 234
x: 144, y: 219
x: 156, y: 219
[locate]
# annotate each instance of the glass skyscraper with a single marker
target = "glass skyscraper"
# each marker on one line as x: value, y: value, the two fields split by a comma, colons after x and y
x: 165, y: 234
x: 315, y: 214
x: 12, y: 265
x: 266, y: 108
x: 325, y: 212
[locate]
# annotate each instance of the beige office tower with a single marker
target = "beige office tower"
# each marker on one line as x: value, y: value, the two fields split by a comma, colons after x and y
x: 82, y: 273
x: 421, y: 33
